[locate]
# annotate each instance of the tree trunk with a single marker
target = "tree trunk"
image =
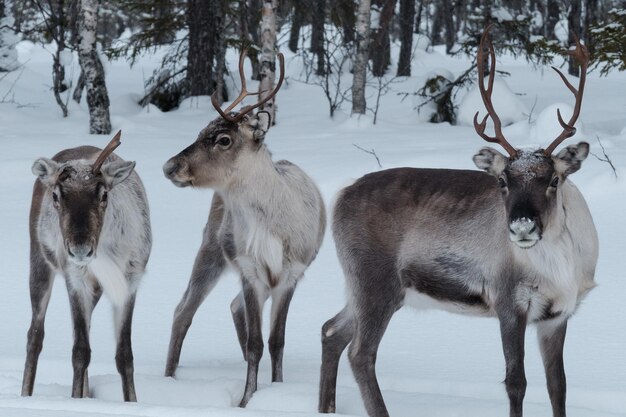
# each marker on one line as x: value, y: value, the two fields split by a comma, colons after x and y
x: 407, y: 19
x: 296, y: 24
x: 591, y: 19
x: 345, y: 10
x: 573, y: 21
x: 202, y: 47
x: 317, y: 35
x: 267, y: 59
x: 254, y: 17
x: 97, y: 96
x: 437, y: 25
x: 57, y: 22
x: 381, y: 45
x: 448, y: 21
x: 361, y: 58
x: 80, y: 85
x: 418, y: 17
x: 552, y: 18
x: 220, y: 50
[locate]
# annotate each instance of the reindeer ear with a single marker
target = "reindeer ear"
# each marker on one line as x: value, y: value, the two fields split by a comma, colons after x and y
x: 116, y: 171
x: 491, y: 161
x: 570, y: 158
x: 46, y: 169
x: 263, y: 121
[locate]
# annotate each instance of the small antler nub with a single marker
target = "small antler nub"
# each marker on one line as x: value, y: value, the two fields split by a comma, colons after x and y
x: 108, y: 150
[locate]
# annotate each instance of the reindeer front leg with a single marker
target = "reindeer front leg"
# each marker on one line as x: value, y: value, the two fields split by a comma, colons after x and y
x: 254, y: 295
x: 41, y: 280
x: 513, y: 330
x: 551, y: 340
x: 124, y: 352
x: 82, y: 302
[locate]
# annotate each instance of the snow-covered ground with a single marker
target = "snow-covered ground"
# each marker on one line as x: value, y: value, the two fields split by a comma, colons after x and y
x: 429, y: 364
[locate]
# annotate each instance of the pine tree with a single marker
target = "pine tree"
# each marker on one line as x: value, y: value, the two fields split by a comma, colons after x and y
x: 610, y: 42
x: 8, y: 54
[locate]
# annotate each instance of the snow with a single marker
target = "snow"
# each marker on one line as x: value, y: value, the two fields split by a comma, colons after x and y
x: 508, y: 106
x: 547, y: 127
x: 430, y: 363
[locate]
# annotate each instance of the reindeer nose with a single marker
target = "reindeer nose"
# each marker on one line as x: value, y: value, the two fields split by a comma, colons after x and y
x: 170, y: 168
x: 80, y: 252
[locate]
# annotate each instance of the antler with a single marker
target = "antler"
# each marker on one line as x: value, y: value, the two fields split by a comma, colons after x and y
x: 581, y: 54
x: 486, y: 95
x: 108, y: 150
x: 244, y: 92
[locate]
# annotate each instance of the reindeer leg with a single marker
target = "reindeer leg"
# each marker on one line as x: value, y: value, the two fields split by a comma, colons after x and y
x: 82, y: 302
x: 41, y: 280
x: 281, y: 297
x: 513, y: 330
x: 336, y: 334
x: 254, y: 297
x: 207, y: 269
x: 551, y: 340
x: 124, y: 352
x: 371, y: 322
x: 238, y: 312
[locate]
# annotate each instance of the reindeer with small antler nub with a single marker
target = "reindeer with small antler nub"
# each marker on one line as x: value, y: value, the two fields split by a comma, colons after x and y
x: 517, y: 243
x: 89, y: 221
x: 267, y: 219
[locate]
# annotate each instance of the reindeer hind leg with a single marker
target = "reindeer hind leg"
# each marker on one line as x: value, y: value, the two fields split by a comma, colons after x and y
x: 336, y: 334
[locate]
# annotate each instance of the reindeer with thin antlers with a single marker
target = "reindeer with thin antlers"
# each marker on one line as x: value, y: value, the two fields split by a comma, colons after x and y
x: 517, y: 243
x: 89, y: 221
x: 267, y: 219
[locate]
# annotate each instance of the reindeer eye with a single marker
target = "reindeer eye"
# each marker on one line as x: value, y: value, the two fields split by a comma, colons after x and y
x: 554, y: 182
x: 55, y: 198
x: 502, y: 182
x: 105, y: 197
x: 224, y: 141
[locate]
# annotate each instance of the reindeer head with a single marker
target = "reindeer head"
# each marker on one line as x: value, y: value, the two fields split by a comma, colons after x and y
x: 79, y: 191
x: 530, y: 180
x: 222, y: 147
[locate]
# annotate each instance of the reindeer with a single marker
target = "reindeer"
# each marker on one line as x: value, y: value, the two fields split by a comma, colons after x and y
x: 89, y: 221
x: 517, y: 243
x: 267, y: 219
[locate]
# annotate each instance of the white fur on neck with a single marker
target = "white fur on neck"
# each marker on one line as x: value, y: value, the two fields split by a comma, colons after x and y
x: 111, y: 279
x: 562, y: 258
x: 263, y: 246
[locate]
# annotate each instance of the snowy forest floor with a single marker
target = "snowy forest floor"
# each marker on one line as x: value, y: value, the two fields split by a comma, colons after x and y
x: 430, y: 363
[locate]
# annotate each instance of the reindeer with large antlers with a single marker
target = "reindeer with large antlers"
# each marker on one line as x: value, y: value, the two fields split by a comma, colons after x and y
x: 267, y: 219
x: 517, y: 243
x: 89, y: 221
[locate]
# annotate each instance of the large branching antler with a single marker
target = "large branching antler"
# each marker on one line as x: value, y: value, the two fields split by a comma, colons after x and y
x: 245, y: 93
x: 108, y: 150
x: 486, y: 95
x: 581, y: 54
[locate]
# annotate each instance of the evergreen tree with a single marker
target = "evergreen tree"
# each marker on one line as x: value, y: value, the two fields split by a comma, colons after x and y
x: 8, y: 54
x: 610, y: 42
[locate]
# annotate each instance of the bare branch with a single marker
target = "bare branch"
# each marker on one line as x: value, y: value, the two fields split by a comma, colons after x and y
x: 606, y: 158
x: 371, y: 152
